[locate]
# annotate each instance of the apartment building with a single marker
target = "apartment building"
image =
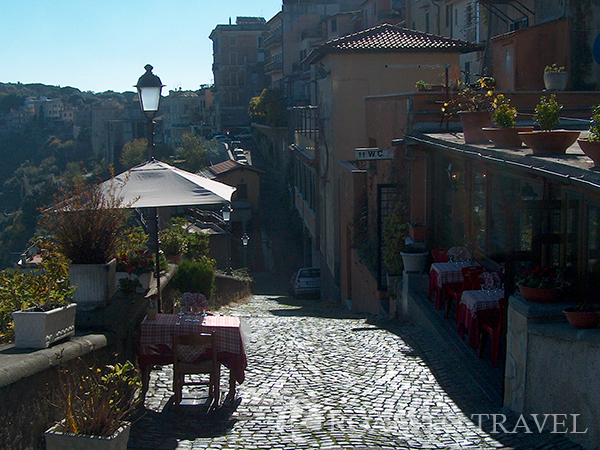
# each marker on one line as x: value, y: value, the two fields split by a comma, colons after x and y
x: 238, y: 69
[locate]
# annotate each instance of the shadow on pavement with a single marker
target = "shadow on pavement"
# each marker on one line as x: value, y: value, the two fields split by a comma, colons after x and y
x: 190, y: 422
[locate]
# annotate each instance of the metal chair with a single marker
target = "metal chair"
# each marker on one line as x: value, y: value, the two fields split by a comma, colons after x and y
x: 201, y: 349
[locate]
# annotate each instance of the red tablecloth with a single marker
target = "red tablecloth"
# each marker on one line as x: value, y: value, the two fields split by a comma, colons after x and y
x: 474, y: 304
x: 157, y: 335
x: 442, y: 276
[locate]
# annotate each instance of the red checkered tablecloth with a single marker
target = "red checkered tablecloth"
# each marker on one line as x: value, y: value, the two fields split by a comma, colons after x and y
x: 230, y: 335
x: 449, y: 272
x: 476, y: 301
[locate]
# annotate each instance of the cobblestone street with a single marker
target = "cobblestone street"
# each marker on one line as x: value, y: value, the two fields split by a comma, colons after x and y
x: 320, y: 376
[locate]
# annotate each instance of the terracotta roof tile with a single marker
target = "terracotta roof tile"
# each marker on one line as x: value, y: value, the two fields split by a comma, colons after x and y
x: 391, y: 38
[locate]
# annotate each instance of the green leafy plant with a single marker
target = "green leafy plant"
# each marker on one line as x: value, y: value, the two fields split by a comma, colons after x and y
x: 554, y: 68
x: 547, y: 113
x: 87, y: 223
x: 96, y: 400
x: 395, y: 231
x: 173, y: 240
x: 594, y: 135
x: 422, y: 85
x: 44, y: 288
x: 477, y: 97
x: 542, y: 278
x: 504, y: 115
x: 195, y: 276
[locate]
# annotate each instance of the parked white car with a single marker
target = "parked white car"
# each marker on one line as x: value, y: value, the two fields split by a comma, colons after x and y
x: 306, y: 282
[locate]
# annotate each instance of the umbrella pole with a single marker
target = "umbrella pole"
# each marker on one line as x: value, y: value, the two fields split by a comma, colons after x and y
x: 156, y: 246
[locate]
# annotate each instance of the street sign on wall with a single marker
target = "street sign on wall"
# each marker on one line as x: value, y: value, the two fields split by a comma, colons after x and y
x: 367, y: 154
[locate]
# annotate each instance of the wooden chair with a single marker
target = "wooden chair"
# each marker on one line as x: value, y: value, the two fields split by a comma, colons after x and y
x: 439, y: 255
x: 492, y: 325
x: 471, y: 281
x: 204, y: 345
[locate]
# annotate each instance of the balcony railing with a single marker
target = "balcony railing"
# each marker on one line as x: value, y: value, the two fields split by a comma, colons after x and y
x: 305, y: 121
x: 273, y: 38
x: 274, y: 66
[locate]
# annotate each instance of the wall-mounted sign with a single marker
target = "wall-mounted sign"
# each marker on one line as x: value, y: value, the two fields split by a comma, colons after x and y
x: 366, y: 154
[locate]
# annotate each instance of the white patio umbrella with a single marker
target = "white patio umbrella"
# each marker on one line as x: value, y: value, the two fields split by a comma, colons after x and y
x: 154, y: 184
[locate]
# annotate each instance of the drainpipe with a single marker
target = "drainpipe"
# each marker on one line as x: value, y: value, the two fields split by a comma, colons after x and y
x: 437, y: 20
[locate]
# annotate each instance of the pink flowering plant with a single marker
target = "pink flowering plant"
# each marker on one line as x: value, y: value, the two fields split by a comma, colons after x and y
x: 542, y: 278
x: 136, y: 262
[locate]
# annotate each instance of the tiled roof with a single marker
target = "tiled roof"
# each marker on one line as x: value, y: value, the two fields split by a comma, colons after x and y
x: 228, y: 166
x: 391, y: 38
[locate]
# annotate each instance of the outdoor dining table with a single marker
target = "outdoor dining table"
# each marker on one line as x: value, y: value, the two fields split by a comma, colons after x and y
x: 155, y: 343
x: 443, y: 276
x: 474, y: 306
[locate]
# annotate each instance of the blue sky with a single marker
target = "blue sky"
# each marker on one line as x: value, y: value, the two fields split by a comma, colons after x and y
x: 100, y: 45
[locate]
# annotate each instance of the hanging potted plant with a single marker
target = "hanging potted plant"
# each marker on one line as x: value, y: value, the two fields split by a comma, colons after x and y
x: 542, y: 285
x: 95, y: 402
x: 39, y: 302
x: 548, y: 140
x: 86, y: 226
x: 591, y: 144
x: 505, y: 134
x: 473, y: 105
x: 422, y: 86
x: 555, y: 78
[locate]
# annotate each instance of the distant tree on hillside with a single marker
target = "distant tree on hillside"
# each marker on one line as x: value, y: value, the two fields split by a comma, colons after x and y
x: 134, y: 153
x: 192, y: 153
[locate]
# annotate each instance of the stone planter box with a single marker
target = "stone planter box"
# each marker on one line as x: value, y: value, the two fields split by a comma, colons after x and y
x: 58, y: 440
x: 95, y: 284
x: 145, y: 279
x: 35, y: 329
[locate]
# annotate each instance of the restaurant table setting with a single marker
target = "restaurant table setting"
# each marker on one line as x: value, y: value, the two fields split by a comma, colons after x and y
x: 231, y: 333
x: 445, y: 275
x: 475, y: 305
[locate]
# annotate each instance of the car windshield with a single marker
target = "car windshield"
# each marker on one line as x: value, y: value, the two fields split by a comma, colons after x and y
x: 309, y: 273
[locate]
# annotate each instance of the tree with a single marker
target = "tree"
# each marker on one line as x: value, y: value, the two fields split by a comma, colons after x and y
x: 134, y: 153
x: 270, y: 105
x: 193, y: 152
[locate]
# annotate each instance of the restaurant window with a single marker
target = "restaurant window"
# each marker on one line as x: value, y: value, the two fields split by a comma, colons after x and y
x: 572, y: 231
x: 453, y: 204
x: 507, y: 225
x: 479, y: 209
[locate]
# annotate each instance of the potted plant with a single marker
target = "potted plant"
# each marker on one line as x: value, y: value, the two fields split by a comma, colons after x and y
x: 395, y: 231
x: 542, y: 285
x: 414, y: 258
x: 96, y: 403
x: 417, y: 231
x: 422, y: 86
x: 548, y: 141
x: 39, y: 302
x: 86, y: 226
x: 591, y: 144
x: 473, y: 105
x: 583, y: 315
x: 173, y: 240
x: 136, y: 265
x: 505, y: 134
x: 555, y: 77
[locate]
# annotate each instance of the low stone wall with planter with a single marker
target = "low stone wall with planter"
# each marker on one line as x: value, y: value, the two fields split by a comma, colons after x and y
x: 231, y: 289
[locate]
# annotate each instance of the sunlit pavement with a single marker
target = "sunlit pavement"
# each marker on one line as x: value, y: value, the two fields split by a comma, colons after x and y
x: 320, y: 376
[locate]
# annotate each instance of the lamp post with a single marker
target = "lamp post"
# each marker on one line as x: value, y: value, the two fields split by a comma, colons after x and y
x: 149, y: 87
x: 245, y: 239
x: 226, y: 212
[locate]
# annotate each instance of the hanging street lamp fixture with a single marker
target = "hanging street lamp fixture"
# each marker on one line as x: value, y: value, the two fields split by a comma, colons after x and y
x: 226, y: 213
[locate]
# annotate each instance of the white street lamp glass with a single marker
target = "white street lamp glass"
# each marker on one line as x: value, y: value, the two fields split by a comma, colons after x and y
x: 149, y: 98
x: 226, y: 211
x: 245, y: 239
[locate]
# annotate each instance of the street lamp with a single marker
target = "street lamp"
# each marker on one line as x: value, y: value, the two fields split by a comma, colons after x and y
x: 226, y: 213
x: 149, y: 87
x: 245, y: 239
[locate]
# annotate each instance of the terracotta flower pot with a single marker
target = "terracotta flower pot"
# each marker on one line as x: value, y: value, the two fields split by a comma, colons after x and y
x: 591, y: 149
x: 555, y: 142
x: 472, y: 123
x: 582, y: 319
x: 536, y: 295
x: 505, y: 137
